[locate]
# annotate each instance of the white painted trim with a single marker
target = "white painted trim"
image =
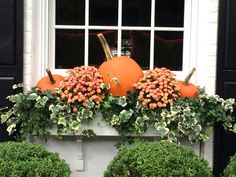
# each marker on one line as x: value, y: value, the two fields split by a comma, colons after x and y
x: 137, y: 28
x: 86, y: 32
x: 40, y: 40
x: 152, y: 35
x: 51, y: 35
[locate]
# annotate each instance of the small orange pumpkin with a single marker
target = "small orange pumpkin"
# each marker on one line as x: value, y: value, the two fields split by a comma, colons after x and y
x: 188, y: 89
x: 118, y: 72
x: 50, y: 82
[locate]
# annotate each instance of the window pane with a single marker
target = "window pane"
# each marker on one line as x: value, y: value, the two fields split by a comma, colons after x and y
x: 126, y: 43
x: 96, y: 53
x: 69, y: 48
x: 136, y: 12
x: 168, y: 50
x: 169, y: 13
x: 70, y: 12
x: 103, y: 12
x: 140, y: 52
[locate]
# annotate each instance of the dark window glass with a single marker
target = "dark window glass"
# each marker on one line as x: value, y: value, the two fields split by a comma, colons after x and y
x: 126, y: 43
x: 136, y: 12
x: 168, y: 50
x: 169, y: 13
x: 96, y: 53
x: 103, y: 12
x: 140, y: 43
x: 70, y: 12
x: 69, y: 48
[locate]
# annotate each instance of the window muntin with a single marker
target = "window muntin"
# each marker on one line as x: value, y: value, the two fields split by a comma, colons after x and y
x: 123, y: 44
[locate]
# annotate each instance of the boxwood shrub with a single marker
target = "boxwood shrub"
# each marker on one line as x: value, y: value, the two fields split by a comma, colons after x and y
x: 23, y: 159
x: 157, y: 159
x: 230, y: 170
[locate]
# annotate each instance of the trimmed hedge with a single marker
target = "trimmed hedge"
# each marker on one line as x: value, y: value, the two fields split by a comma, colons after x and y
x: 157, y: 159
x: 22, y: 159
x: 230, y: 170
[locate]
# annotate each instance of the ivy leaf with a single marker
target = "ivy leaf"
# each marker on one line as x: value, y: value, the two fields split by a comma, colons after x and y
x: 161, y: 128
x: 197, y: 129
x: 121, y: 101
x: 4, y: 117
x: 32, y: 96
x: 16, y: 98
x: 75, y: 125
x: 125, y: 115
x: 234, y: 128
x: 88, y: 133
x: 62, y: 121
x: 90, y: 104
x: 15, y: 86
x: 86, y: 114
x: 105, y: 86
x: 115, y: 120
x: 11, y: 128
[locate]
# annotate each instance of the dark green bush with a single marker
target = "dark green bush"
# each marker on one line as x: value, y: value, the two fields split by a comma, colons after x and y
x: 22, y: 159
x: 157, y: 159
x: 230, y: 170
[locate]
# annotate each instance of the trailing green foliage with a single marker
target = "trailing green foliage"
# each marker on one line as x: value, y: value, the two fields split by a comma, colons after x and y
x: 28, y: 160
x: 36, y: 113
x: 188, y: 117
x: 230, y: 170
x: 157, y: 159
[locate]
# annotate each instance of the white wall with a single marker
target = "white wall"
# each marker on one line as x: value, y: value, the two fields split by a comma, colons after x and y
x: 205, y: 49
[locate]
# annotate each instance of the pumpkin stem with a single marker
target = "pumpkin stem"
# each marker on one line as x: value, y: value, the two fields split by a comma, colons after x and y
x: 105, y: 46
x: 186, y: 80
x: 52, y: 80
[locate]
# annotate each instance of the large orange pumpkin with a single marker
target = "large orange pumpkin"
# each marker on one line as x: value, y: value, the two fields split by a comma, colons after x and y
x: 118, y: 72
x: 188, y: 89
x: 50, y: 82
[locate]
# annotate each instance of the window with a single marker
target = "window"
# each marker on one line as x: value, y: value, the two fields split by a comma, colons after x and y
x: 156, y: 33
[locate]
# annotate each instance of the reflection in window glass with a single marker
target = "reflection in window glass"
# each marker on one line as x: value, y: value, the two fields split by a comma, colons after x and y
x: 140, y: 52
x: 69, y: 48
x: 169, y: 13
x: 103, y: 12
x: 168, y: 50
x: 96, y: 53
x: 70, y: 12
x: 136, y: 13
x: 126, y: 43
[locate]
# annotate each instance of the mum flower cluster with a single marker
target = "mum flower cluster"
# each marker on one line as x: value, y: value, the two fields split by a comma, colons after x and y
x: 83, y: 85
x: 158, y: 88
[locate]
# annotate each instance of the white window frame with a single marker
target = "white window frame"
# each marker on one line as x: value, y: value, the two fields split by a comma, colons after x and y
x: 45, y: 54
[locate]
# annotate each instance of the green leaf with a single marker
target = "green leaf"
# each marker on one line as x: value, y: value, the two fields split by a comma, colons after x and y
x: 4, y: 117
x: 125, y: 115
x: 15, y: 86
x: 62, y: 121
x: 161, y: 128
x: 88, y: 133
x: 75, y: 125
x: 90, y: 104
x: 32, y: 96
x: 16, y: 98
x: 121, y: 101
x: 115, y: 120
x: 11, y: 128
x: 105, y: 86
x: 86, y: 114
x: 234, y: 128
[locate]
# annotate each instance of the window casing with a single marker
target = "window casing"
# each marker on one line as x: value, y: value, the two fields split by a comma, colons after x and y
x: 152, y: 30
